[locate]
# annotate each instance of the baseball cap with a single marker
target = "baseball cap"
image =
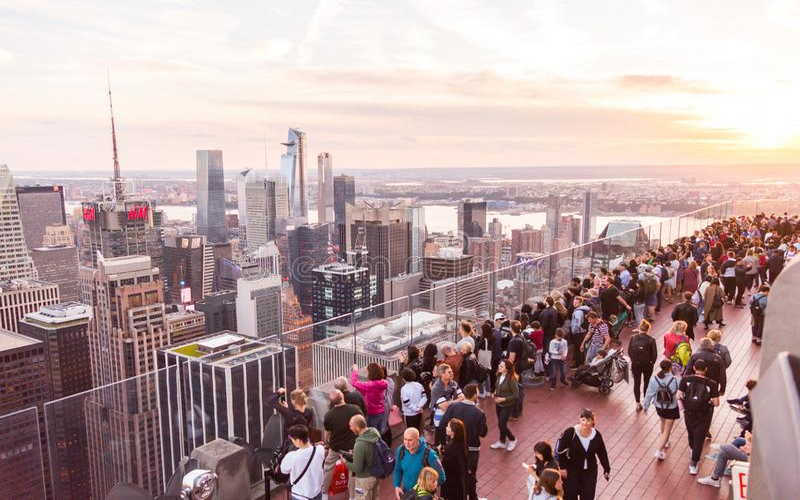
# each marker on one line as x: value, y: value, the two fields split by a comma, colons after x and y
x: 499, y: 316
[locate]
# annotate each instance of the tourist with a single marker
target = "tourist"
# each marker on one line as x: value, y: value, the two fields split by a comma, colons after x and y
x: 484, y: 351
x: 294, y: 410
x: 579, y: 326
x: 413, y: 400
x: 598, y: 336
x: 465, y: 331
x: 713, y: 300
x: 662, y: 392
x: 699, y: 395
x: 643, y: 353
x: 373, y: 390
x: 414, y: 455
x: 727, y: 271
x: 474, y: 420
x: 727, y: 453
x: 444, y: 391
x: 469, y: 366
x: 518, y: 354
x: 505, y: 397
x: 425, y: 486
x: 686, y: 311
x: 339, y: 436
x: 724, y: 353
x: 691, y: 278
x: 549, y: 486
x: 758, y: 309
x: 558, y: 359
x: 452, y: 358
x: 304, y: 465
x: 543, y: 458
x: 364, y: 484
x: 715, y: 365
x: 454, y: 461
x: 350, y: 397
x: 579, y: 448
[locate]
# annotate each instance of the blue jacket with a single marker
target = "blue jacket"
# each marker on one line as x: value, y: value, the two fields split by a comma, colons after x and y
x: 670, y: 382
x: 407, y: 465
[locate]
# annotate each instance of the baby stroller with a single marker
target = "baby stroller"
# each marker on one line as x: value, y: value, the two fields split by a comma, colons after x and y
x: 603, y: 374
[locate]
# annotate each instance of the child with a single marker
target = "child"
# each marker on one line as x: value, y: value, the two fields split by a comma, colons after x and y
x: 537, y: 335
x: 558, y: 358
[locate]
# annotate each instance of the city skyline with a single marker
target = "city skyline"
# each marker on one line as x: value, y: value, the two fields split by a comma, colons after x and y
x: 475, y: 86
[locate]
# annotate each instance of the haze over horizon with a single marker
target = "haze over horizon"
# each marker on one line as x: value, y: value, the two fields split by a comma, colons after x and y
x: 449, y: 84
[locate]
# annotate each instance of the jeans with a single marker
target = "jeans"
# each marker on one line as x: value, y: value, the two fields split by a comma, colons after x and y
x: 376, y: 421
x: 740, y: 288
x: 518, y: 406
x: 729, y: 284
x: 638, y: 313
x: 697, y: 425
x: 640, y: 373
x: 591, y: 352
x: 727, y: 452
x: 758, y: 327
x: 580, y: 483
x: 557, y: 366
x: 503, y: 414
x: 472, y: 477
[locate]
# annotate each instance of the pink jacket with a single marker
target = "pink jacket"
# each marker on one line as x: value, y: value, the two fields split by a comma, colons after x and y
x: 373, y: 393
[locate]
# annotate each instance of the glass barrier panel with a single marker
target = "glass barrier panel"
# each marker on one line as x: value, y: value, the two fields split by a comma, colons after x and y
x: 22, y: 469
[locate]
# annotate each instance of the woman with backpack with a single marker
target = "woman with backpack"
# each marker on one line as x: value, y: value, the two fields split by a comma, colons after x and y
x: 579, y: 448
x: 724, y: 353
x: 713, y: 300
x: 643, y: 353
x: 662, y: 392
x: 454, y: 461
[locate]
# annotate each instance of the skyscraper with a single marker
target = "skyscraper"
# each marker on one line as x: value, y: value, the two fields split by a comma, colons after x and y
x: 64, y: 330
x: 293, y: 170
x: 261, y: 209
x: 211, y: 196
x: 242, y: 178
x: 185, y: 326
x: 219, y: 309
x: 258, y: 306
x: 59, y: 265
x: 218, y: 389
x: 589, y: 231
x: 24, y: 383
x: 471, y: 219
x: 188, y: 268
x: 553, y: 212
x: 488, y: 252
x: 14, y: 259
x: 298, y: 333
x: 308, y: 249
x: 416, y: 219
x: 340, y: 289
x: 495, y: 228
x: 128, y: 327
x: 344, y: 195
x: 325, y: 181
x: 39, y: 207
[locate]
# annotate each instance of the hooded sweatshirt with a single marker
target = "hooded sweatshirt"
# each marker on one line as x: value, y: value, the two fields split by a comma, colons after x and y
x: 407, y: 465
x: 362, y: 453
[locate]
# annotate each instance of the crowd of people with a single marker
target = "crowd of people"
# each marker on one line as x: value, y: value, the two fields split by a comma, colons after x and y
x: 437, y: 393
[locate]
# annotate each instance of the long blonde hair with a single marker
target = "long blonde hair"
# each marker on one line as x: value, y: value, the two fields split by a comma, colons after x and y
x: 428, y: 479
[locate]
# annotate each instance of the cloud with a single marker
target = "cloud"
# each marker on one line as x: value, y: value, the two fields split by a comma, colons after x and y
x: 662, y: 83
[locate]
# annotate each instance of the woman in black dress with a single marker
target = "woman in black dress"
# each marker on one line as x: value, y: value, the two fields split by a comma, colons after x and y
x: 454, y: 462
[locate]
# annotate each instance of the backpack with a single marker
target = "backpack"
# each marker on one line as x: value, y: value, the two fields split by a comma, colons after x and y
x: 522, y: 364
x: 562, y: 446
x: 639, y: 349
x: 382, y: 460
x: 650, y: 284
x: 680, y: 355
x: 481, y: 373
x: 425, y: 461
x: 664, y: 396
x: 697, y: 396
x: 755, y: 306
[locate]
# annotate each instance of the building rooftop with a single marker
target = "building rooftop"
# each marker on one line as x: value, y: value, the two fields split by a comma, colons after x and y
x: 10, y: 340
x: 60, y: 315
x: 22, y: 284
x: 225, y: 349
x: 339, y: 268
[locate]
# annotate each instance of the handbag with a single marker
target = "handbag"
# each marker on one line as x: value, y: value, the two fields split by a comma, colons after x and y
x: 395, y: 418
x: 485, y: 355
x: 339, y: 479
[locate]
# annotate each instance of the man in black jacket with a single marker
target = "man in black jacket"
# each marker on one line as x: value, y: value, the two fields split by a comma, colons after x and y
x: 549, y: 321
x: 686, y: 311
x: 715, y: 366
x: 475, y: 424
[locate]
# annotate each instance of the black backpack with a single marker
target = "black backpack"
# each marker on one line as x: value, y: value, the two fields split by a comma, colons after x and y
x: 755, y: 306
x: 382, y: 460
x: 522, y: 364
x: 697, y: 396
x: 664, y: 396
x: 640, y: 349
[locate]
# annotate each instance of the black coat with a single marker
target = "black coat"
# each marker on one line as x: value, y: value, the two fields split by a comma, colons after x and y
x: 549, y: 321
x: 687, y: 312
x: 571, y: 454
x: 715, y: 367
x: 454, y: 462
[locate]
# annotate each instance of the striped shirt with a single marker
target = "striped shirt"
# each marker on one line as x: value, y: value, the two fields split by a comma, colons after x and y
x: 598, y: 331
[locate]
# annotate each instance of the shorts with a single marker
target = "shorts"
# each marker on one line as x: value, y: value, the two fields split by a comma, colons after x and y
x: 651, y: 299
x: 669, y: 413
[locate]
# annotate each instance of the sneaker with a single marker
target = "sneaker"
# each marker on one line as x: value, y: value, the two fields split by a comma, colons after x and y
x: 709, y: 481
x: 660, y: 455
x: 638, y: 406
x: 715, y: 446
x: 514, y: 418
x: 712, y: 456
x: 498, y: 446
x: 552, y: 388
x: 512, y: 445
x: 693, y: 470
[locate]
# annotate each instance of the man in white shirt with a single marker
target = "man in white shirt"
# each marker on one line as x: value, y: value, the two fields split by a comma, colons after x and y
x: 304, y: 465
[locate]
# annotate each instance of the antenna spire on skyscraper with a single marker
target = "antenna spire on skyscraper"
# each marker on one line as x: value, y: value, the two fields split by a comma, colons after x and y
x: 119, y: 187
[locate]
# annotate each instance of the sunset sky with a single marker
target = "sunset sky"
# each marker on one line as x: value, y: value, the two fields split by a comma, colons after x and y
x: 411, y: 83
